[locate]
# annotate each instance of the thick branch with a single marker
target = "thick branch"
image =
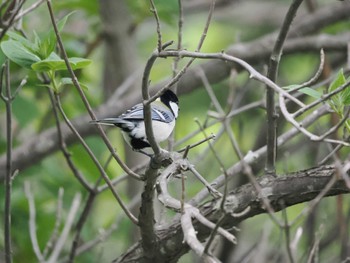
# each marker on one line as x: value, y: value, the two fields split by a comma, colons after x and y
x: 294, y: 188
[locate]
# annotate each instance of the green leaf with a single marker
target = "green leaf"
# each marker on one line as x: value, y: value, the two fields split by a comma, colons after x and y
x: 25, y: 42
x: 311, y: 92
x: 338, y: 81
x: 77, y: 63
x: 54, y: 62
x: 49, y: 41
x: 346, y: 96
x: 19, y: 53
x: 68, y: 81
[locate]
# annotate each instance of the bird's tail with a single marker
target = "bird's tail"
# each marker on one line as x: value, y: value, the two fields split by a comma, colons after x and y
x: 124, y: 124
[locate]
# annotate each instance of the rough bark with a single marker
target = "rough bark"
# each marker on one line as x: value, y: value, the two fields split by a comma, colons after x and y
x: 282, y: 192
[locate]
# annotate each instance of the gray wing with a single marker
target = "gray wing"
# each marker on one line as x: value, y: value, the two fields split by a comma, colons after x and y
x: 159, y: 113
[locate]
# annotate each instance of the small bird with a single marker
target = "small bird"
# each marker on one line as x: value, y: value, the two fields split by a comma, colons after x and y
x: 164, y: 112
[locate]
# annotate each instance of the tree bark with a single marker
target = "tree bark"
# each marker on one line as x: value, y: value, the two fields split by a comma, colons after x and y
x: 282, y: 192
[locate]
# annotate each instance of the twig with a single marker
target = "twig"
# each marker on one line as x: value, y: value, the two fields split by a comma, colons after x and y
x: 270, y: 93
x: 286, y: 228
x: 210, y: 137
x: 330, y: 155
x: 96, y: 162
x: 315, y: 77
x: 215, y: 193
x: 81, y: 221
x: 58, y: 221
x: 11, y: 11
x: 84, y: 99
x: 8, y: 177
x: 32, y: 222
x: 176, y: 78
x: 188, y: 211
x: 66, y: 229
x: 28, y: 10
x: 313, y: 137
x: 179, y: 39
x: 225, y: 57
x: 257, y: 155
x: 103, y: 135
x: 159, y: 33
x: 321, y: 100
x: 63, y: 146
x: 103, y: 234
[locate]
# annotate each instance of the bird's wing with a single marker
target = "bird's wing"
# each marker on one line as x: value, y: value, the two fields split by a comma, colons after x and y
x: 159, y: 113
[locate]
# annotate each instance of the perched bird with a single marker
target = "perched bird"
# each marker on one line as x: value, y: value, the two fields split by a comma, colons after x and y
x: 164, y: 112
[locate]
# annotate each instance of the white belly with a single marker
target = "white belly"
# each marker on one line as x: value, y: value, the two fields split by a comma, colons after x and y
x: 161, y: 131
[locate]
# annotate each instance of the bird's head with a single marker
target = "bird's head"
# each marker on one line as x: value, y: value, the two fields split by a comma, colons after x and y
x: 170, y: 99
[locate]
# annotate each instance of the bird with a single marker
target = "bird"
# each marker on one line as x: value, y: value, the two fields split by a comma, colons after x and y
x: 164, y: 112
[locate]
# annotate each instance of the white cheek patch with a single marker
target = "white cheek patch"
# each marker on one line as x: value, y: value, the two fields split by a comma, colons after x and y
x: 174, y: 107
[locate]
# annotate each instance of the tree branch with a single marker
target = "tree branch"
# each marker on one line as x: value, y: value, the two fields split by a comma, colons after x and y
x: 293, y: 188
x: 45, y: 143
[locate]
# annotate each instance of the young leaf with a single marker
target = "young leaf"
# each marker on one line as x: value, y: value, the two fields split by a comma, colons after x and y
x: 19, y: 53
x: 25, y: 42
x: 68, y: 81
x: 77, y: 63
x: 311, y: 92
x: 53, y: 62
x: 345, y: 94
x: 49, y: 41
x: 338, y: 81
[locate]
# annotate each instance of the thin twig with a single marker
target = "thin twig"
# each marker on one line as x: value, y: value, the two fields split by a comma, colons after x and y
x: 215, y: 193
x: 315, y: 77
x: 84, y: 99
x: 275, y: 57
x: 96, y: 162
x: 188, y: 147
x: 313, y: 137
x: 286, y: 228
x: 12, y: 10
x: 28, y: 10
x: 226, y: 57
x: 8, y: 178
x: 66, y: 229
x: 321, y: 100
x: 63, y: 146
x: 32, y: 222
x: 176, y: 78
x: 58, y: 221
x: 159, y: 33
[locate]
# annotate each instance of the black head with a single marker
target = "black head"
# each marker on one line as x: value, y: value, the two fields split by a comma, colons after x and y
x: 169, y: 96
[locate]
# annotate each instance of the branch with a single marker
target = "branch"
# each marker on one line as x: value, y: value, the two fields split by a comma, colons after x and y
x: 293, y: 188
x: 45, y: 143
x: 8, y: 99
x: 66, y: 229
x: 270, y: 93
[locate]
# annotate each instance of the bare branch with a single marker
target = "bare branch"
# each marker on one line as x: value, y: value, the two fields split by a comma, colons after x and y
x: 83, y: 97
x: 66, y: 229
x: 275, y: 57
x: 32, y: 222
x: 280, y: 188
x: 7, y: 98
x: 54, y: 236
